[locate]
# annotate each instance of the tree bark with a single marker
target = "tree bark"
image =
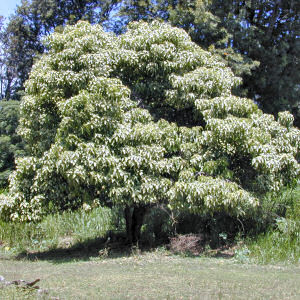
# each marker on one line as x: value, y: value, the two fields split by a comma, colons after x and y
x: 134, y: 217
x: 128, y: 217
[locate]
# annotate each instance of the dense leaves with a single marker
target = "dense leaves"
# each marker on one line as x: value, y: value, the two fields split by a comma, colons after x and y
x: 258, y: 39
x: 22, y: 37
x: 143, y: 118
x: 11, y: 145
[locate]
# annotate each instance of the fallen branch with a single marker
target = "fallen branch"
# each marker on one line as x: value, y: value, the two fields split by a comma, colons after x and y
x: 19, y: 283
x: 24, y: 284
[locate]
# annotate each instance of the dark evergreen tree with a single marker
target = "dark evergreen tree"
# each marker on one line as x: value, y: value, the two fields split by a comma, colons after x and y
x: 11, y: 145
x: 262, y: 30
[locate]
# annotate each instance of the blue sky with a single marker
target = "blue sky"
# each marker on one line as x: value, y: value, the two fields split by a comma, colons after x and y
x: 7, y: 7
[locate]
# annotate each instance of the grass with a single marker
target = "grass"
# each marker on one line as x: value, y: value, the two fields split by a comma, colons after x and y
x: 152, y: 275
x: 12, y: 293
x: 72, y: 256
x: 58, y: 231
x: 281, y: 243
x: 277, y: 246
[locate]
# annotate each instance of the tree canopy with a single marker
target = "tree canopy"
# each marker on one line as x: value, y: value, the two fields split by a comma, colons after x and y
x: 143, y: 118
x: 250, y: 35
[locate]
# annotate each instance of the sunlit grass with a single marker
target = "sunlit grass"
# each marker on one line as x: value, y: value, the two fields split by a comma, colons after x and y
x: 156, y: 275
x: 59, y: 230
x: 281, y: 243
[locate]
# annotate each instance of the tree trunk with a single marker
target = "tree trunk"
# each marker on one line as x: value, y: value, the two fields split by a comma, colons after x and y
x: 134, y: 217
x: 7, y: 92
x: 128, y: 217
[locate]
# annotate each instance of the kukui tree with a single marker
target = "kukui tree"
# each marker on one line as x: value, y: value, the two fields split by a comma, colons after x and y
x: 140, y: 119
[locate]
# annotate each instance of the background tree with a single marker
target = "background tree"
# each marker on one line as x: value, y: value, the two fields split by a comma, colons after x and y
x: 33, y: 20
x: 7, y: 75
x: 2, y: 65
x: 144, y: 118
x: 198, y: 20
x: 11, y: 145
x: 267, y: 31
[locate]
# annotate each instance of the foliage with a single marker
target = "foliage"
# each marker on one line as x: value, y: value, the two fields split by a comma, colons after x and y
x: 5, y: 70
x: 249, y: 35
x: 257, y: 39
x: 11, y: 145
x: 159, y: 225
x: 281, y: 243
x: 143, y: 118
x: 32, y: 20
x: 266, y: 32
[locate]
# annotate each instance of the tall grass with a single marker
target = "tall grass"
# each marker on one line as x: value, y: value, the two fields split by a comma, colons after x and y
x: 281, y: 243
x: 59, y: 230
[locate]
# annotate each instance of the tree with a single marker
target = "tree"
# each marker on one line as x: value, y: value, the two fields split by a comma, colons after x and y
x: 250, y: 35
x: 1, y: 61
x: 22, y: 37
x: 264, y: 31
x: 6, y: 71
x: 144, y: 118
x: 11, y: 145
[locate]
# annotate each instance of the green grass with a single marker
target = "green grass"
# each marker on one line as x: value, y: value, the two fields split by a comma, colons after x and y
x: 71, y: 255
x: 12, y: 293
x: 153, y: 275
x: 281, y: 243
x: 58, y: 231
x: 274, y: 247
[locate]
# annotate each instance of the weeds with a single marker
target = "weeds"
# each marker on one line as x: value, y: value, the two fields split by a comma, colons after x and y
x: 58, y: 231
x: 281, y: 243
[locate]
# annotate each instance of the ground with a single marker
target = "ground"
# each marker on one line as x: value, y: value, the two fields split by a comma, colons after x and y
x: 154, y: 274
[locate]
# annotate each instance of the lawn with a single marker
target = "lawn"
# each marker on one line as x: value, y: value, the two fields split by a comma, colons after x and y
x: 149, y: 275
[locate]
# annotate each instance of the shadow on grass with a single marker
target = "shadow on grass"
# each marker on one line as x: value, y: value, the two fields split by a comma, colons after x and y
x: 97, y: 249
x: 109, y: 247
x: 82, y: 251
x: 216, y: 253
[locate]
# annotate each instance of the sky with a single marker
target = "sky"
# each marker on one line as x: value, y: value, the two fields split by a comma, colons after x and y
x: 7, y: 7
